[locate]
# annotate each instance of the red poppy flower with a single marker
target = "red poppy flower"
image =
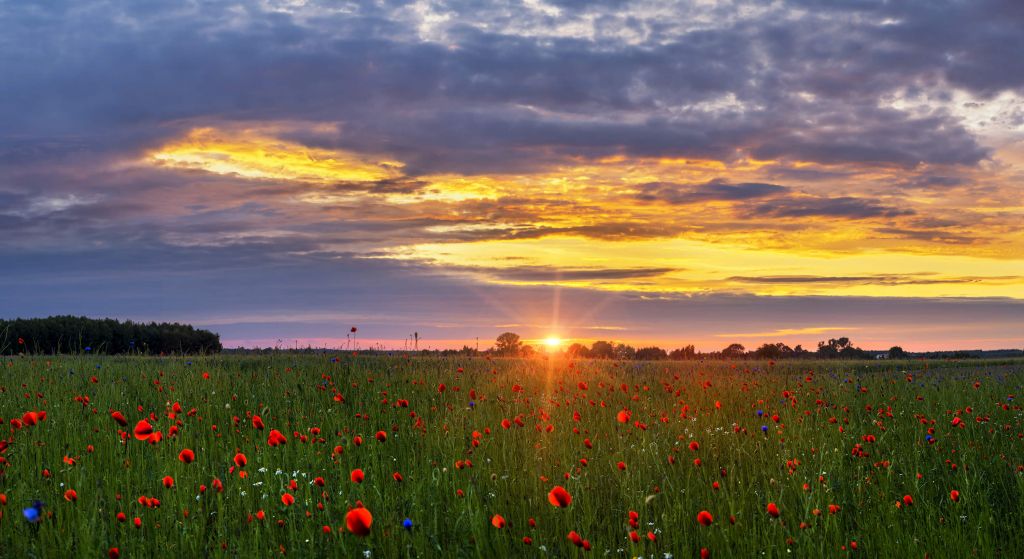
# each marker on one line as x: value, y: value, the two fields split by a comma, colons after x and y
x: 621, y: 466
x: 187, y: 456
x: 287, y: 499
x: 559, y: 497
x: 319, y: 481
x: 908, y: 500
x: 634, y: 537
x: 498, y: 521
x: 113, y: 553
x: 71, y: 495
x: 357, y: 476
x: 955, y: 496
x: 358, y: 521
x: 276, y: 438
x: 704, y: 518
x: 575, y: 538
x: 119, y: 418
x: 694, y: 446
x: 143, y: 430
x: 381, y: 436
x: 623, y: 416
x: 397, y: 477
x: 240, y: 460
x: 168, y: 482
x: 773, y: 510
x: 257, y: 423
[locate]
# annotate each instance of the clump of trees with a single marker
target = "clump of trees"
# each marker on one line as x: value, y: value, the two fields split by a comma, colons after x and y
x: 79, y: 334
x: 835, y: 348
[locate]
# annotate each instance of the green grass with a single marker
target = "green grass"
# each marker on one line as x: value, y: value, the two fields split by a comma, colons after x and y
x: 513, y: 469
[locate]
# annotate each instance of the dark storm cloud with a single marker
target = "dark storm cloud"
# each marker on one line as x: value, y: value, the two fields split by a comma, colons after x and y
x: 842, y: 207
x: 716, y: 190
x: 151, y: 70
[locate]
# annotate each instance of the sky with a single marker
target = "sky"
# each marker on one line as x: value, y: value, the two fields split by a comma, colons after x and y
x: 666, y: 173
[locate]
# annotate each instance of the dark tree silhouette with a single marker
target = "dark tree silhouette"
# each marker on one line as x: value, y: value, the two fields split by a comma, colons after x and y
x: 79, y: 334
x: 508, y: 344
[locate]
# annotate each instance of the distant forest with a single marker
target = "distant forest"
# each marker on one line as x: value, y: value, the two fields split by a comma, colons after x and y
x: 78, y: 334
x: 511, y: 345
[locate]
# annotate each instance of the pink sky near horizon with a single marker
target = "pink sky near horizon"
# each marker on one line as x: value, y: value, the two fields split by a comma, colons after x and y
x: 702, y: 345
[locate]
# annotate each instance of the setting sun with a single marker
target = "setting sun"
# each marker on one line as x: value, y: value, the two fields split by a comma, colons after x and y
x: 552, y: 342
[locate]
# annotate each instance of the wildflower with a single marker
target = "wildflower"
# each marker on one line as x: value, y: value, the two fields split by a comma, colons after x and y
x: 358, y: 521
x: 143, y: 430
x: 559, y: 497
x: 34, y: 513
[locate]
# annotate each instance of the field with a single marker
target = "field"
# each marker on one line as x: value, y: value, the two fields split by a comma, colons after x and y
x: 460, y: 457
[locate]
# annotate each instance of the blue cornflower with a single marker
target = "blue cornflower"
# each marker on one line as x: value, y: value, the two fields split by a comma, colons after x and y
x: 764, y: 428
x: 407, y: 524
x: 760, y: 413
x: 88, y: 348
x: 34, y: 513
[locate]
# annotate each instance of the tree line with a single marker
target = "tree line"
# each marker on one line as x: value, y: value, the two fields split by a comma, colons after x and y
x: 79, y: 334
x: 509, y: 344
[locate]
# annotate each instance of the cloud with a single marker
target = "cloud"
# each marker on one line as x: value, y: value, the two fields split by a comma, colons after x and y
x: 550, y: 274
x: 877, y: 279
x: 846, y: 207
x: 675, y: 89
x: 373, y: 128
x: 716, y: 190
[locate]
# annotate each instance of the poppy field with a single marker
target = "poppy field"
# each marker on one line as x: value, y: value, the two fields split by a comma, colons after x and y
x: 377, y: 456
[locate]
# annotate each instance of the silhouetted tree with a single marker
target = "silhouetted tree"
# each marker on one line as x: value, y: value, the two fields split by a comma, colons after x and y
x: 896, y: 352
x: 602, y: 350
x: 651, y: 354
x: 773, y: 351
x: 840, y: 347
x: 577, y: 350
x: 623, y: 351
x: 733, y: 351
x: 508, y: 344
x: 685, y: 352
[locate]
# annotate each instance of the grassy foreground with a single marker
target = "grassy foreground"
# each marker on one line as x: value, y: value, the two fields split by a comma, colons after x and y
x: 856, y: 458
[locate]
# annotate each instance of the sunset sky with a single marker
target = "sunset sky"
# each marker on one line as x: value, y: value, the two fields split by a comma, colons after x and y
x: 650, y: 172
